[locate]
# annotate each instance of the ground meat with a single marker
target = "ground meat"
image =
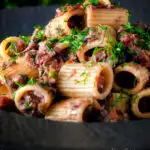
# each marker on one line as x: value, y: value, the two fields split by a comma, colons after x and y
x: 142, y: 57
x: 20, y: 45
x: 131, y: 42
x: 99, y: 56
x: 30, y: 102
x: 30, y: 57
x: 32, y: 45
x: 17, y: 79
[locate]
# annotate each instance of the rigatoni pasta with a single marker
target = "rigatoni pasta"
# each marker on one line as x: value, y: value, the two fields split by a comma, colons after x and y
x: 6, y: 50
x: 74, y: 110
x: 98, y: 37
x: 140, y: 106
x: 63, y: 24
x: 33, y: 100
x: 130, y: 77
x: 81, y: 80
x: 112, y: 17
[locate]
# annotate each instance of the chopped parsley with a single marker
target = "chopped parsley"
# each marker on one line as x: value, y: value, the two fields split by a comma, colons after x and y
x: 84, y: 80
x: 50, y: 42
x: 63, y: 9
x: 13, y: 59
x: 13, y: 49
x: 32, y: 81
x: 94, y: 2
x: 38, y: 27
x: 19, y: 84
x: 117, y: 99
x: 5, y: 78
x: 26, y: 39
x: 27, y: 104
x: 40, y: 36
x: 52, y: 74
x: 103, y: 27
x: 76, y: 39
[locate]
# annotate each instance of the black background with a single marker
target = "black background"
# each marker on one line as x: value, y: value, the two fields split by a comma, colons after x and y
x: 18, y: 132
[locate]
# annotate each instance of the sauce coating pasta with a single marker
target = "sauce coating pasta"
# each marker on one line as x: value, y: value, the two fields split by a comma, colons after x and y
x: 88, y: 64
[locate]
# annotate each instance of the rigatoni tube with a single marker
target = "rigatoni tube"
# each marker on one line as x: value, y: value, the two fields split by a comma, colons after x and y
x: 130, y: 77
x: 98, y: 37
x: 20, y: 67
x: 33, y: 100
x: 141, y: 104
x: 113, y: 17
x: 11, y: 47
x: 63, y: 24
x: 74, y: 110
x: 82, y: 80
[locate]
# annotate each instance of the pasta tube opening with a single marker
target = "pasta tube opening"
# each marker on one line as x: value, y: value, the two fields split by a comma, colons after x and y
x: 144, y: 104
x: 130, y: 83
x: 33, y: 100
x: 130, y: 77
x: 141, y: 105
x: 76, y: 22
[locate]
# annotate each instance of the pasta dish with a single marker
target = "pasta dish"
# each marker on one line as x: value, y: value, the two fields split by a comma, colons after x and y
x: 88, y: 64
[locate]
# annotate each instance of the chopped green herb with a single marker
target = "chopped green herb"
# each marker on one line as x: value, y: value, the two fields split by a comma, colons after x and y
x: 86, y: 5
x: 14, y: 95
x: 13, y: 49
x: 52, y: 74
x: 40, y: 36
x: 76, y: 39
x: 85, y: 75
x: 5, y: 78
x: 64, y: 9
x: 13, y: 59
x: 25, y: 39
x: 94, y: 2
x: 27, y: 104
x: 32, y: 81
x: 38, y: 27
x: 117, y: 99
x: 19, y: 84
x: 50, y: 42
x: 103, y: 27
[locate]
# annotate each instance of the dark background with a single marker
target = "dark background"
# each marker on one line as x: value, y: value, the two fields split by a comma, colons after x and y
x: 25, y: 133
x: 21, y: 3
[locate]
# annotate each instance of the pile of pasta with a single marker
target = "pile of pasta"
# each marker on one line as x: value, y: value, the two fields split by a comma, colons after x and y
x: 87, y: 64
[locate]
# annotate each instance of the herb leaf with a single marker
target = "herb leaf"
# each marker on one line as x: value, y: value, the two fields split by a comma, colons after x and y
x: 52, y: 74
x: 26, y: 39
x: 19, y: 84
x: 32, y: 81
x: 76, y: 39
x: 13, y: 49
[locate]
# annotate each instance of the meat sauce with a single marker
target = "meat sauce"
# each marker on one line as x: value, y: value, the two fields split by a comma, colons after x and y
x: 30, y: 102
